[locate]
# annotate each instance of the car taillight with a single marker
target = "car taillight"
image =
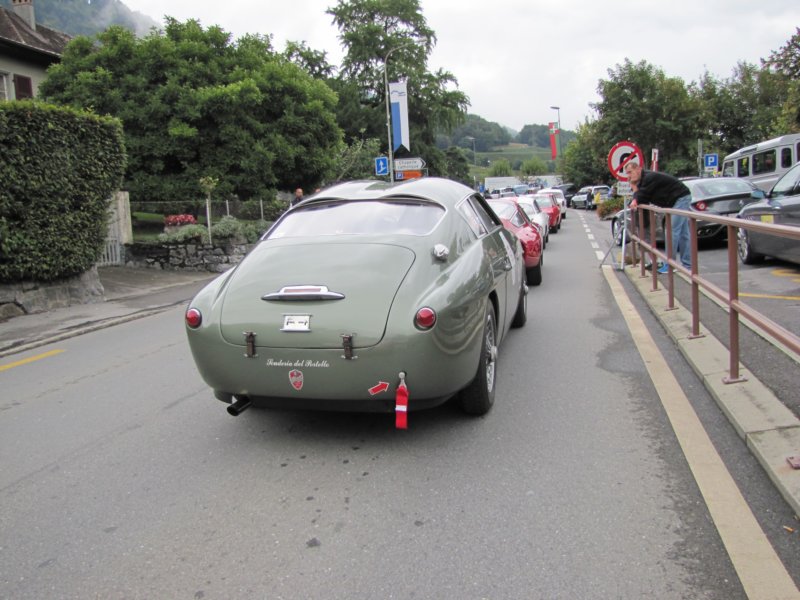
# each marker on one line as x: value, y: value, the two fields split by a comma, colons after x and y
x: 425, y: 318
x: 193, y: 318
x: 701, y: 206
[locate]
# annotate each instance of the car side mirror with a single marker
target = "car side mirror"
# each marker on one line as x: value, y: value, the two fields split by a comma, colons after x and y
x: 758, y: 194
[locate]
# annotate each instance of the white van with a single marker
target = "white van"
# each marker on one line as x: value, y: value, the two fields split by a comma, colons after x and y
x: 765, y: 162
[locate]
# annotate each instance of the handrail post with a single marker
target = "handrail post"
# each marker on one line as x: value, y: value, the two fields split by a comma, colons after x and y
x: 733, y: 311
x: 667, y: 259
x: 695, y: 285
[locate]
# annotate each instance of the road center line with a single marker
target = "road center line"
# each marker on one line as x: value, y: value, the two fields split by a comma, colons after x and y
x: 760, y: 571
x: 30, y: 359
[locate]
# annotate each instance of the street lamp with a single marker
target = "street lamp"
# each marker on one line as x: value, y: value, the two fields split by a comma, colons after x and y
x: 558, y: 124
x: 388, y: 110
x: 474, y: 158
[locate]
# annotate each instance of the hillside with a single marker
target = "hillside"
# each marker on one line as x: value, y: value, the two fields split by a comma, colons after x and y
x: 79, y: 17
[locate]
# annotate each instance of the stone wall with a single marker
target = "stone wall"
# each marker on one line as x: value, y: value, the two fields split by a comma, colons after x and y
x: 193, y: 256
x: 30, y: 297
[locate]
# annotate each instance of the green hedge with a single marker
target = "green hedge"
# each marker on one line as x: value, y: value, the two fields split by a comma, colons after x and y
x: 58, y: 169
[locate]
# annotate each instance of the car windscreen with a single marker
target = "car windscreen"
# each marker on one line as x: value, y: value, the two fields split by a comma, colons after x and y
x: 722, y: 186
x: 528, y: 206
x: 787, y: 185
x: 362, y: 217
x: 504, y: 210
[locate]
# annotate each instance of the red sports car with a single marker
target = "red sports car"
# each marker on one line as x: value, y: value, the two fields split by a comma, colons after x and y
x: 549, y: 204
x: 515, y: 220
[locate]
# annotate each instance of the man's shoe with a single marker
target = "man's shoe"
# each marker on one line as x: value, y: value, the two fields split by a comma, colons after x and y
x: 663, y: 268
x: 648, y: 267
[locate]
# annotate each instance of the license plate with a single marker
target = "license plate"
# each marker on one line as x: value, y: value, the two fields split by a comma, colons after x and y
x: 296, y: 323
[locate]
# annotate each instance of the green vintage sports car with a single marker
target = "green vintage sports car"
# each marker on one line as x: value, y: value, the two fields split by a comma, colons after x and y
x: 362, y: 290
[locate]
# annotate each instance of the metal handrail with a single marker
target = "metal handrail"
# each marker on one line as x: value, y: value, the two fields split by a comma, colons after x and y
x: 729, y: 298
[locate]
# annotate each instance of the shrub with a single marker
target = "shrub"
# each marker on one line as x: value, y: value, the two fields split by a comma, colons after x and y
x: 227, y: 228
x: 609, y: 207
x: 58, y: 168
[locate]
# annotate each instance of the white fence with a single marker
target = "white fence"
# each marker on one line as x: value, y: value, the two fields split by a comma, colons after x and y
x: 120, y: 231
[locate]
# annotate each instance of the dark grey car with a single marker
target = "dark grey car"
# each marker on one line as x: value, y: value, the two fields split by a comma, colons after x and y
x: 724, y: 196
x: 782, y: 207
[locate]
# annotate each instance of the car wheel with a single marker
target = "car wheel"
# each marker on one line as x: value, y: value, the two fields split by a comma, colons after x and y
x: 746, y: 252
x: 534, y: 274
x: 616, y: 232
x: 521, y: 316
x: 478, y: 397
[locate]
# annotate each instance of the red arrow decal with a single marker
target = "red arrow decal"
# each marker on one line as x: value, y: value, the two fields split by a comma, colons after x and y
x: 377, y: 389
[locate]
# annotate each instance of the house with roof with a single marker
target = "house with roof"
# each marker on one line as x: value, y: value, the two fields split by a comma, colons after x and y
x: 26, y: 50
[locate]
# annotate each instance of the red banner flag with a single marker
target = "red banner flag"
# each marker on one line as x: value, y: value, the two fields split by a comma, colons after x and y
x: 553, y: 140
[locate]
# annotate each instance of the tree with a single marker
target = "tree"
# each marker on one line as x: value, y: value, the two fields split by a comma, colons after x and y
x: 193, y: 104
x: 535, y: 135
x: 500, y: 168
x: 379, y: 35
x: 640, y: 103
x: 786, y: 62
x: 534, y: 166
x: 457, y: 166
x: 582, y: 161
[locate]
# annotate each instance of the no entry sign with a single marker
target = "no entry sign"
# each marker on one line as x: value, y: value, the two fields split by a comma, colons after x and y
x: 621, y: 154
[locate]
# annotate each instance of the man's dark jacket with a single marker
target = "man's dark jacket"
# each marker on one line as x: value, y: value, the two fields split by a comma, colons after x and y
x: 660, y: 189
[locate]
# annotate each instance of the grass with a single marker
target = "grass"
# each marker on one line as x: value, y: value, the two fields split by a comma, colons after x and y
x: 512, y: 153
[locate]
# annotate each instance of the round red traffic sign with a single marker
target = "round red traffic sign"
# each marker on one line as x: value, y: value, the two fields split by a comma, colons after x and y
x: 621, y: 154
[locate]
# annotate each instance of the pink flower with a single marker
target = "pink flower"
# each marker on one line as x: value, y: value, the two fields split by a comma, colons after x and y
x: 178, y: 220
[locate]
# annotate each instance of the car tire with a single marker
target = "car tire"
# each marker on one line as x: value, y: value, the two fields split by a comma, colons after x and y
x: 521, y: 316
x: 478, y: 397
x: 616, y: 232
x: 534, y: 275
x: 746, y: 252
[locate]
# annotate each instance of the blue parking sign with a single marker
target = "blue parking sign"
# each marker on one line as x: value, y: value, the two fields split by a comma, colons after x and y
x: 711, y: 161
x: 381, y: 165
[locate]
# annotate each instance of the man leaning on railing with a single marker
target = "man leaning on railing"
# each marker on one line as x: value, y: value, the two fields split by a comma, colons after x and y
x: 666, y: 191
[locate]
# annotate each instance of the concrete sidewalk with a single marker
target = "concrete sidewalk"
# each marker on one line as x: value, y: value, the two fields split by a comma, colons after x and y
x: 130, y: 293
x: 770, y: 430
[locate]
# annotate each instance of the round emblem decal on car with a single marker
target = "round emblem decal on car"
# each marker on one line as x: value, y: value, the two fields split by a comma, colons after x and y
x: 296, y: 379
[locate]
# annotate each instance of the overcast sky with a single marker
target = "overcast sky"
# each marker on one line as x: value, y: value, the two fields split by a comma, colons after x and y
x: 516, y: 58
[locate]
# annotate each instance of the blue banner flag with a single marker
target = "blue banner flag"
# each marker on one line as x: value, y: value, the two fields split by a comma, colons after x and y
x: 399, y: 102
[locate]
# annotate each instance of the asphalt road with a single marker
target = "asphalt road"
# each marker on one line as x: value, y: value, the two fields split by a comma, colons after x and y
x: 122, y: 477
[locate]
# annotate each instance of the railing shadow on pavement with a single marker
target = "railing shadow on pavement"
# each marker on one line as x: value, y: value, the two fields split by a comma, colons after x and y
x: 730, y: 297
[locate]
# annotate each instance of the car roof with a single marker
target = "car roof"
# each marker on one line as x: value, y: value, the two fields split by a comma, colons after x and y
x: 437, y: 189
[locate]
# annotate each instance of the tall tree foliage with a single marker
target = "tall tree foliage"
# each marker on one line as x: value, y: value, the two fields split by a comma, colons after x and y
x: 642, y: 104
x: 394, y: 35
x: 193, y: 104
x: 786, y: 62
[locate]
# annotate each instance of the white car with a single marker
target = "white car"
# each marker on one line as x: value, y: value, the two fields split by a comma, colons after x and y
x: 560, y: 198
x: 537, y: 216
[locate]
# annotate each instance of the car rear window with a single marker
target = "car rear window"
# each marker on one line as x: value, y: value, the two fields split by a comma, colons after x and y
x: 363, y: 217
x: 718, y: 187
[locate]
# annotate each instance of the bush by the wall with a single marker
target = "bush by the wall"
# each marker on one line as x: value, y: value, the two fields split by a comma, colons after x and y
x: 227, y: 228
x: 58, y: 168
x: 609, y: 207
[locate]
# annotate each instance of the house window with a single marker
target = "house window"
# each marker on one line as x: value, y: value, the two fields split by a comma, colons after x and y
x: 23, y: 87
x: 3, y: 87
